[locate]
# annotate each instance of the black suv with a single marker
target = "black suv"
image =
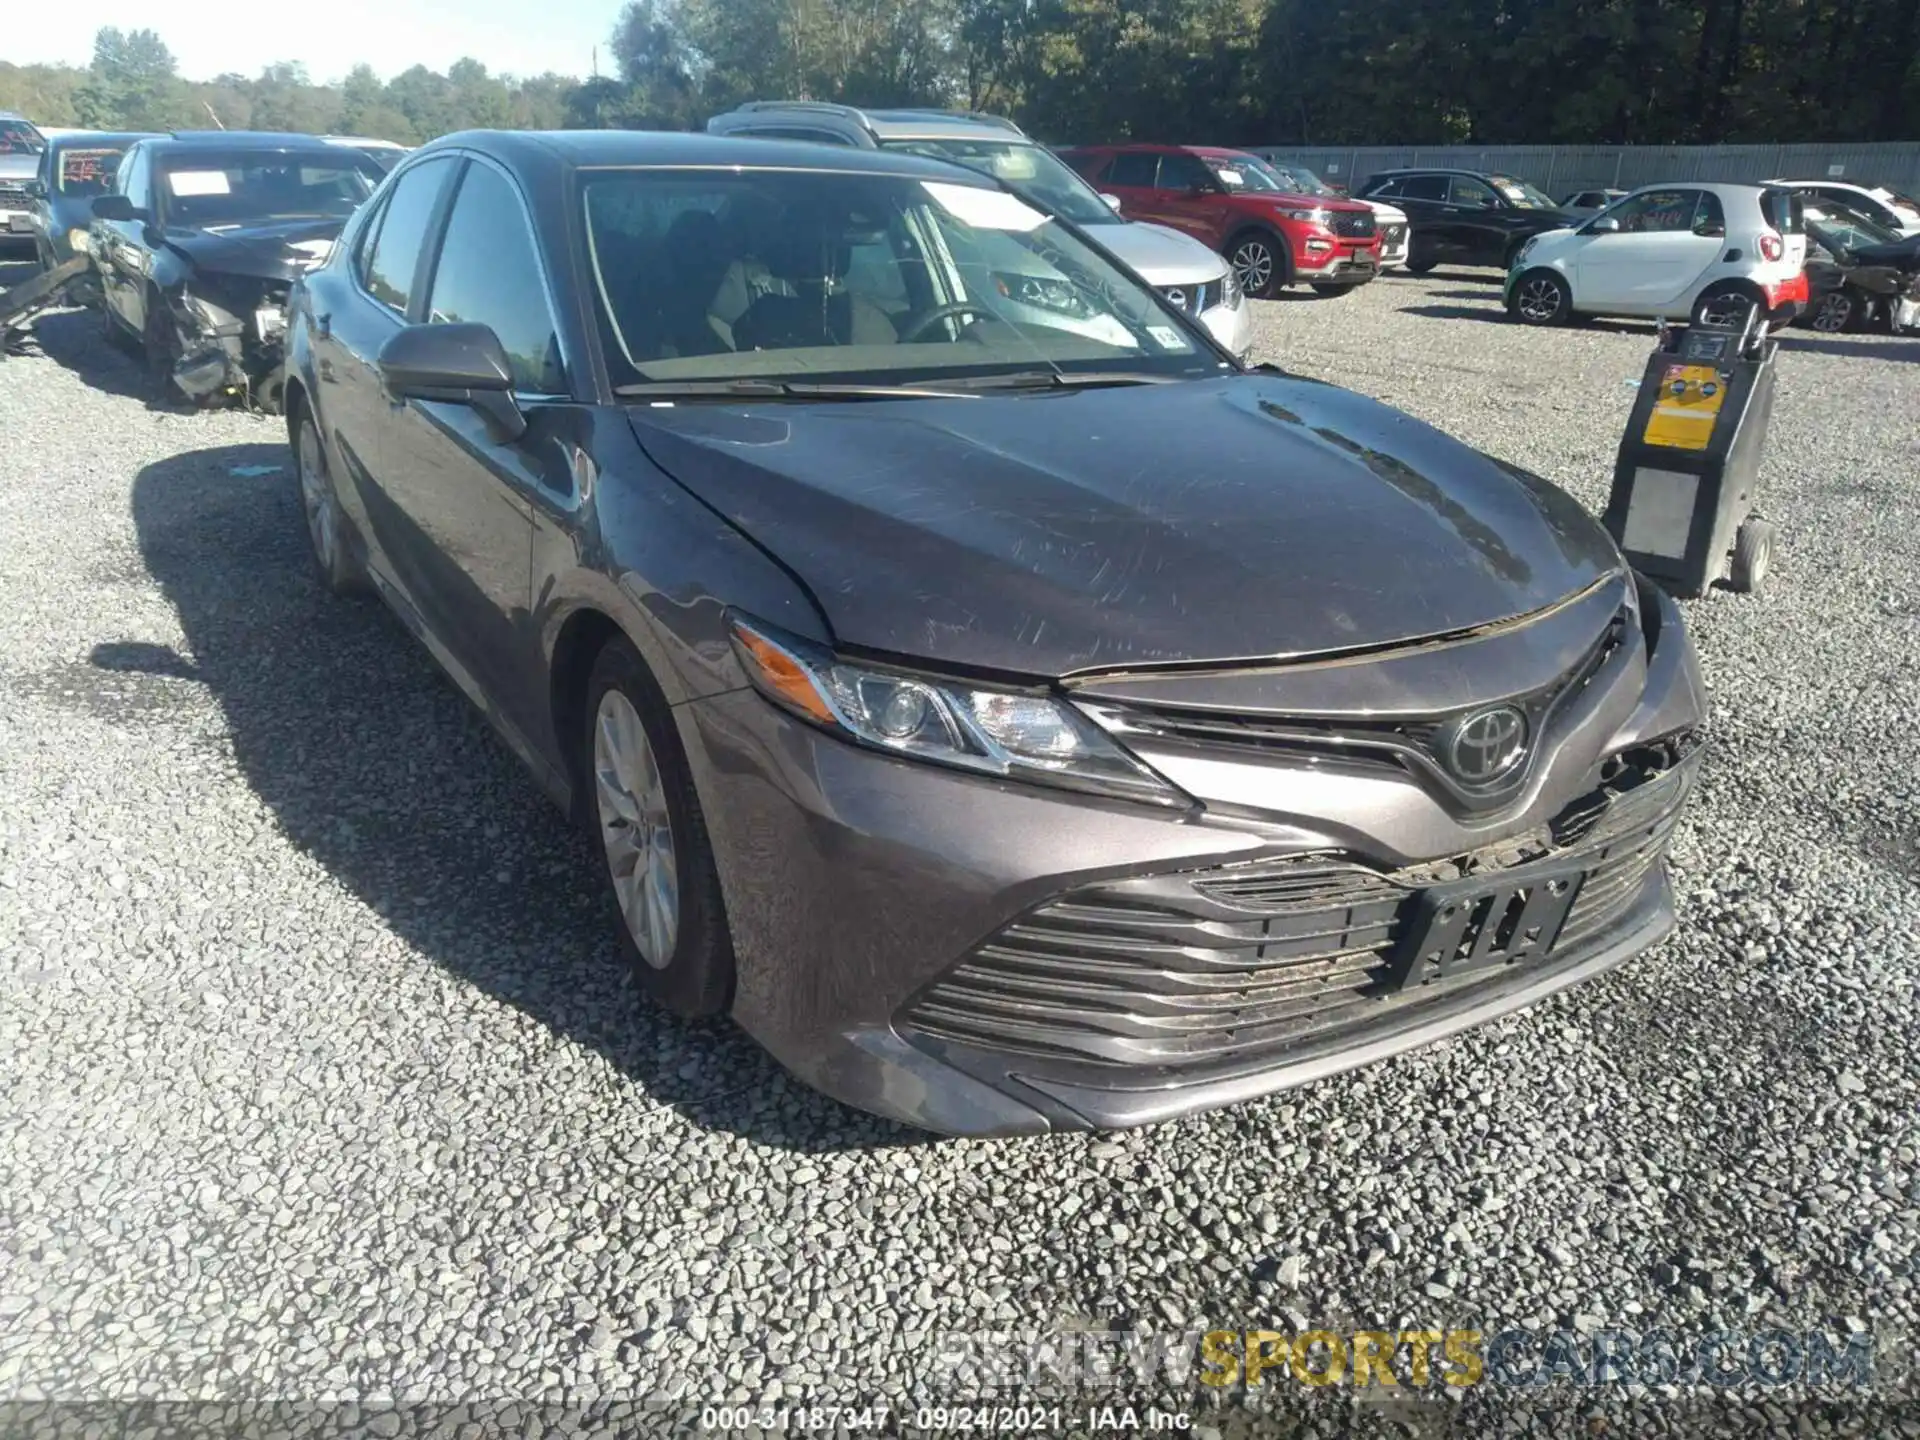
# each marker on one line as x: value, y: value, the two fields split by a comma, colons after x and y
x: 1464, y: 216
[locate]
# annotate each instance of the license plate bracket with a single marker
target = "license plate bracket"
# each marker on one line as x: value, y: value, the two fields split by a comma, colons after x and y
x: 1482, y: 923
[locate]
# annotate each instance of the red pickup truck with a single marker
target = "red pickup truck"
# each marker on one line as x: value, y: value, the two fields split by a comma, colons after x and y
x: 1273, y: 237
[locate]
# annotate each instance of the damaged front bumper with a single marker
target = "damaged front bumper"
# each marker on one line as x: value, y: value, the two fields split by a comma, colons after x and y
x: 229, y: 348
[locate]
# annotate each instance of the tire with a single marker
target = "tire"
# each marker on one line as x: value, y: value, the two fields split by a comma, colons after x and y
x: 638, y: 784
x: 329, y: 533
x: 1262, y: 261
x: 1752, y: 556
x: 1540, y: 297
x: 1837, y: 312
x: 1332, y: 290
x: 1724, y: 305
x: 1420, y: 262
x: 159, y: 348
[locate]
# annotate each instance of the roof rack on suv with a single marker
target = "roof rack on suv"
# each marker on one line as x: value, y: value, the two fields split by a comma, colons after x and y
x: 999, y: 122
x: 885, y: 113
x: 822, y: 106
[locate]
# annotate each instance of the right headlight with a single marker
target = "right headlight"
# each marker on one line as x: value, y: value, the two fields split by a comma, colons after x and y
x: 1009, y: 733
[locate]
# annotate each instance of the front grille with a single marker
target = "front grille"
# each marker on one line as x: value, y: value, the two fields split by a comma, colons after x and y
x: 1177, y: 973
x: 1353, y: 224
x: 1408, y: 745
x: 1195, y: 299
x: 12, y: 196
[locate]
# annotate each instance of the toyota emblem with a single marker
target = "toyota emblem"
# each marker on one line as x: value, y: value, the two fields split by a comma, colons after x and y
x: 1486, y: 745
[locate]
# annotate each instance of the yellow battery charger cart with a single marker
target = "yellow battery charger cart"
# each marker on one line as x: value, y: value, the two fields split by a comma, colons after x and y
x: 1688, y: 468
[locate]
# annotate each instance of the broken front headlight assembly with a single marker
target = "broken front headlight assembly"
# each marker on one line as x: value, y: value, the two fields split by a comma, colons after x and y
x: 1014, y: 734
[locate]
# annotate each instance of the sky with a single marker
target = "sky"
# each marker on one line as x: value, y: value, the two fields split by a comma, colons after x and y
x: 510, y: 36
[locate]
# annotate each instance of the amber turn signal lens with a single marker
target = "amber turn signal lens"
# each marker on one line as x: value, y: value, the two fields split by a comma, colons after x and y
x: 781, y: 675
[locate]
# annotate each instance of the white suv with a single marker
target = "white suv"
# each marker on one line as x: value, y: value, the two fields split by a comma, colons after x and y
x: 1669, y: 252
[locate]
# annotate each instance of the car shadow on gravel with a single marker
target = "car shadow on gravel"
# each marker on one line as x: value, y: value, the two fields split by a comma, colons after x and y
x: 1496, y: 314
x: 76, y: 340
x: 1888, y: 347
x: 378, y: 768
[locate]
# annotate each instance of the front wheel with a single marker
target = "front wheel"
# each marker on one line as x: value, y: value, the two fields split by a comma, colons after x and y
x: 1256, y: 260
x: 653, y: 837
x: 1752, y: 556
x: 1541, y: 297
x: 160, y: 347
x: 340, y: 569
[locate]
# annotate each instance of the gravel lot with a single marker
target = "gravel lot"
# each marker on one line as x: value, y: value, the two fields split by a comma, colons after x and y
x: 323, y: 1080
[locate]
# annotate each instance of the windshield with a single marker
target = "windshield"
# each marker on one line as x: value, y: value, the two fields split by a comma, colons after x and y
x: 1840, y: 227
x: 211, y: 188
x: 1293, y: 178
x: 19, y: 138
x: 1027, y: 170
x: 1518, y: 192
x: 1243, y: 174
x: 88, y: 170
x: 780, y: 274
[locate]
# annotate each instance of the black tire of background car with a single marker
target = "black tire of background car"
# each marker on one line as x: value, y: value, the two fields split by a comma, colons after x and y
x: 1420, y: 257
x: 345, y: 574
x: 1322, y: 288
x: 1535, y: 281
x: 1718, y: 301
x: 1752, y: 555
x: 1838, y: 311
x: 698, y: 980
x: 160, y: 347
x: 1279, y: 267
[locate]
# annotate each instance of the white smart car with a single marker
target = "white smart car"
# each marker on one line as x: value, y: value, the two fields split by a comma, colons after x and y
x: 1675, y: 252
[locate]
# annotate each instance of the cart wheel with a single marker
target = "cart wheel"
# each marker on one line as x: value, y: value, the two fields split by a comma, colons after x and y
x: 1752, y: 553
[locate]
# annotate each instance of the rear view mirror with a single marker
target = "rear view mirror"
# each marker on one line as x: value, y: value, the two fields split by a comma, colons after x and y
x: 465, y: 364
x: 117, y: 207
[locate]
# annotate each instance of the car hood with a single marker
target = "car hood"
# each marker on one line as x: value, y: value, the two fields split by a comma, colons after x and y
x: 1246, y: 518
x: 1386, y: 214
x: 282, y: 250
x: 1159, y: 255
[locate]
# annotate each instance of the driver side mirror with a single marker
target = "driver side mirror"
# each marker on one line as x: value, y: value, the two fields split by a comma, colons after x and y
x: 118, y: 207
x: 1113, y: 201
x: 464, y: 364
x: 1604, y: 225
x: 34, y: 189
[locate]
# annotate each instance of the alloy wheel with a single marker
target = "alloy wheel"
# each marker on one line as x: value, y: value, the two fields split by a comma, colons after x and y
x: 1253, y: 263
x: 635, y: 829
x: 317, y: 499
x: 1538, y: 300
x: 1835, y: 311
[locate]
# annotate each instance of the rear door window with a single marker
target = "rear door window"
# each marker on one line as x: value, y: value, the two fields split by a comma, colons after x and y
x: 1134, y: 168
x: 1424, y: 187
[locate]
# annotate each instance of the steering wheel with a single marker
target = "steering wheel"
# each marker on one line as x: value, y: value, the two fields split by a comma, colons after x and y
x: 921, y: 324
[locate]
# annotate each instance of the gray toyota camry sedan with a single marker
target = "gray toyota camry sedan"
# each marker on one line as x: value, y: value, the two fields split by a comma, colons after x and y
x: 1016, y: 714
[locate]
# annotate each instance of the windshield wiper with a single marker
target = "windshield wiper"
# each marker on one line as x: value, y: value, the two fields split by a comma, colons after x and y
x: 774, y: 390
x: 1059, y: 380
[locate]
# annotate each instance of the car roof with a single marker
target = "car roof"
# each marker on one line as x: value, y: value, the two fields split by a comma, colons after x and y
x: 82, y: 138
x: 892, y: 122
x: 596, y: 149
x: 241, y: 140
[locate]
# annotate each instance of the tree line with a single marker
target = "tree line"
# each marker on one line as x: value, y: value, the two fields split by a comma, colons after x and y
x: 1311, y: 72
